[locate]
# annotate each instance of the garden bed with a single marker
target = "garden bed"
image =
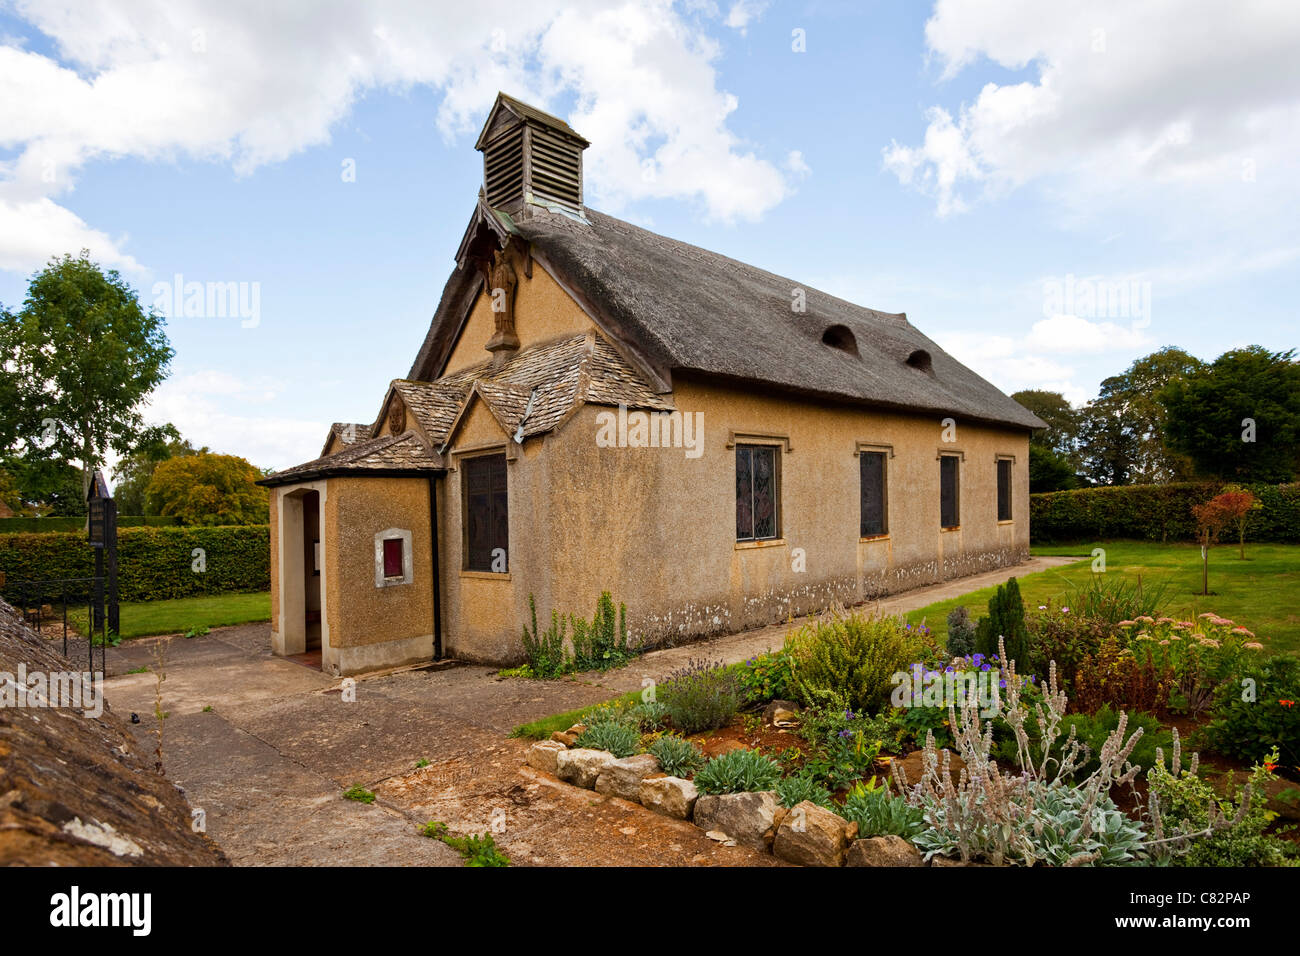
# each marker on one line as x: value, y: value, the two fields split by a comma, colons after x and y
x: 846, y: 772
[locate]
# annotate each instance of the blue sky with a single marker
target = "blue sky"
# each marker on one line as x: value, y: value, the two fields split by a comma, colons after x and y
x: 962, y: 162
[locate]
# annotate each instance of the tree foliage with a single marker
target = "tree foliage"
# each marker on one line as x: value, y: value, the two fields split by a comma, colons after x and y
x: 1122, y: 435
x: 1062, y: 432
x: 1239, y: 417
x: 132, y: 474
x: 85, y: 355
x: 208, y: 489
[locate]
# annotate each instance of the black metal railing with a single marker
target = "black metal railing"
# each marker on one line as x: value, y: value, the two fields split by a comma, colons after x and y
x: 44, y: 605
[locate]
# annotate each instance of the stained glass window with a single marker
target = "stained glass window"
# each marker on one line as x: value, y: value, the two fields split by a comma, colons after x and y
x: 487, y: 518
x: 872, y: 467
x: 949, y: 513
x: 393, y: 558
x: 756, y: 492
x: 1004, y: 489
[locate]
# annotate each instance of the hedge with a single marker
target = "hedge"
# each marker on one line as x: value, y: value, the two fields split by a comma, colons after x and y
x: 1155, y: 513
x: 47, y: 524
x: 153, y: 563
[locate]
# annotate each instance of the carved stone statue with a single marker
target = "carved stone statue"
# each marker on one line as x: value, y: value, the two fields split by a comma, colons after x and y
x: 501, y: 294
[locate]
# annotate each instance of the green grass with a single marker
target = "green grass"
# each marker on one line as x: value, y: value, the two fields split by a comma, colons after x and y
x: 143, y: 618
x: 542, y: 729
x: 1259, y: 592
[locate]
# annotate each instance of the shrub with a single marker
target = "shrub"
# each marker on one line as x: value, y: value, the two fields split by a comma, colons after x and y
x: 738, y: 771
x: 1006, y: 621
x: 877, y: 812
x: 961, y: 632
x: 154, y: 564
x: 700, y: 696
x: 619, y: 737
x: 849, y: 658
x: 649, y: 714
x: 1202, y: 656
x: 765, y: 677
x: 843, y: 744
x: 547, y: 655
x: 601, y: 643
x: 1056, y: 634
x: 1156, y: 512
x: 794, y: 790
x: 1270, y: 719
x: 1042, y: 813
x: 1210, y: 831
x: 1114, y: 677
x: 1112, y: 599
x: 677, y: 756
x: 1092, y: 731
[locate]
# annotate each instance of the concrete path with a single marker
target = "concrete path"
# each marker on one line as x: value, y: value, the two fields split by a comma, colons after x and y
x: 265, y: 747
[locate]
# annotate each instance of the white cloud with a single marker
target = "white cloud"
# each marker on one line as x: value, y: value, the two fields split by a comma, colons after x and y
x: 254, y: 83
x: 742, y: 12
x: 233, y: 416
x: 1186, y: 98
x: 1008, y: 364
x: 31, y: 231
x: 1072, y: 334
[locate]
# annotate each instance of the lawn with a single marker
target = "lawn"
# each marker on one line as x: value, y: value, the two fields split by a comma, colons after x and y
x: 140, y: 619
x: 1261, y: 592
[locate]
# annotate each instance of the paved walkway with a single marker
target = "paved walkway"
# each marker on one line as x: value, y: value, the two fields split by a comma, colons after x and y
x: 265, y: 747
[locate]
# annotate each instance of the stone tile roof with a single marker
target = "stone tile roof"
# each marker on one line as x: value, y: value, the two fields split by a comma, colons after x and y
x: 538, y: 387
x: 348, y: 433
x: 386, y: 455
x: 80, y: 790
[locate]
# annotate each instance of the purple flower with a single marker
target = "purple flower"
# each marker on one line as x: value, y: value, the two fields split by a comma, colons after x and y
x: 1002, y: 683
x: 985, y: 667
x: 845, y: 733
x: 848, y: 715
x: 948, y: 669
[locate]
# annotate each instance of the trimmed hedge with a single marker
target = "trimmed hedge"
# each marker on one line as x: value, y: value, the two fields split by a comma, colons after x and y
x: 153, y: 564
x: 1155, y: 513
x: 78, y: 523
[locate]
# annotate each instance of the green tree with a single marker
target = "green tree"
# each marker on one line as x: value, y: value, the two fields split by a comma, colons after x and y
x: 44, y: 485
x: 87, y: 356
x: 1239, y: 417
x: 1122, y: 434
x: 132, y: 474
x: 1062, y: 432
x: 208, y: 489
x: 1049, y: 471
x: 15, y: 415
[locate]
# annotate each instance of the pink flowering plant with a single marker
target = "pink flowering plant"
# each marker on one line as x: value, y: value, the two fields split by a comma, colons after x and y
x: 1203, y: 655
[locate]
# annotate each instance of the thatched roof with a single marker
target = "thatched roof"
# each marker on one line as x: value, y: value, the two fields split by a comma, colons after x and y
x: 680, y: 309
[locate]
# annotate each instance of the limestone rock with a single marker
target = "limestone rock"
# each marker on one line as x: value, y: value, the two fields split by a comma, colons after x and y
x: 883, y: 851
x: 622, y: 778
x: 781, y: 713
x: 748, y: 818
x: 544, y: 754
x: 671, y: 796
x: 812, y: 836
x: 583, y: 766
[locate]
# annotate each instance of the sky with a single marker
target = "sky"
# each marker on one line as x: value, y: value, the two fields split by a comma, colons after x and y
x: 1047, y: 190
